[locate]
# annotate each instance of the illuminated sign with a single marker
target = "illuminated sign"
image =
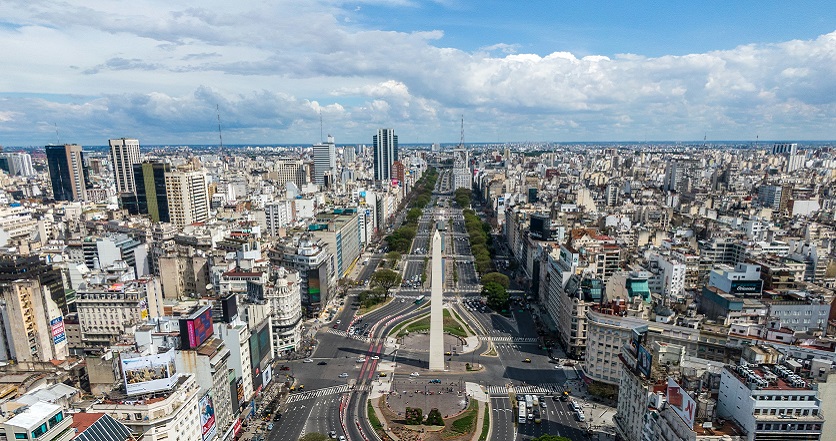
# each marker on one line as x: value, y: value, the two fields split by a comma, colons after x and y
x: 682, y: 403
x: 207, y: 417
x: 57, y: 327
x: 196, y: 329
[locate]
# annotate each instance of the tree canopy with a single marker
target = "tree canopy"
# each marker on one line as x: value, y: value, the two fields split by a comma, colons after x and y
x: 497, y: 296
x: 385, y: 279
x: 314, y: 436
x: 499, y: 278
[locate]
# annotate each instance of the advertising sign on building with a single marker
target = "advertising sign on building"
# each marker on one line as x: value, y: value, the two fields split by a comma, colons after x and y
x: 196, y: 328
x: 682, y: 403
x: 644, y: 361
x: 207, y: 417
x: 147, y: 374
x: 57, y: 327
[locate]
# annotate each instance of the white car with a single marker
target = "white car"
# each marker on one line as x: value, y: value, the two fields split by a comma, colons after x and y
x: 307, y: 360
x: 361, y: 359
x: 375, y: 357
x: 415, y: 374
x: 344, y: 375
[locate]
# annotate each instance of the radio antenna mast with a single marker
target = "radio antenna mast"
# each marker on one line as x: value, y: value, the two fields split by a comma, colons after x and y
x: 57, y: 138
x: 321, y: 139
x: 220, y: 135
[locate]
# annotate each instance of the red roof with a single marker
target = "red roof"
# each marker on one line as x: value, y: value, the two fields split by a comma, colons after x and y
x: 83, y: 420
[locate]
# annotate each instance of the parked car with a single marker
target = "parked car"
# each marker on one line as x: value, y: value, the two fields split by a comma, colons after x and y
x: 307, y: 360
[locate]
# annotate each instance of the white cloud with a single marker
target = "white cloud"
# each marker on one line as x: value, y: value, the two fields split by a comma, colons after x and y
x: 161, y: 68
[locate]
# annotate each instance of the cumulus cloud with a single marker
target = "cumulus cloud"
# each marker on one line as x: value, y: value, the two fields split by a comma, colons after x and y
x: 161, y: 68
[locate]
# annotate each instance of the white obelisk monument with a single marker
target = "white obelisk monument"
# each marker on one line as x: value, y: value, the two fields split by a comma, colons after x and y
x: 436, y: 309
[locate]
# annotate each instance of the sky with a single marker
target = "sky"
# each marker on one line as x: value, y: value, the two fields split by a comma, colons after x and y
x: 290, y: 71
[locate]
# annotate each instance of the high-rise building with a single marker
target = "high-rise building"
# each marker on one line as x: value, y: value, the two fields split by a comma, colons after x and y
x: 385, y: 153
x: 17, y: 163
x: 188, y: 198
x: 67, y: 172
x: 290, y: 170
x: 33, y: 328
x: 795, y: 160
x: 124, y: 153
x: 150, y: 187
x: 325, y: 160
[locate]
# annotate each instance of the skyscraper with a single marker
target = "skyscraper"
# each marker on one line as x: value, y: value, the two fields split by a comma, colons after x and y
x: 325, y: 159
x: 17, y: 163
x: 151, y: 197
x: 188, y: 197
x: 67, y: 172
x: 385, y: 153
x: 124, y: 153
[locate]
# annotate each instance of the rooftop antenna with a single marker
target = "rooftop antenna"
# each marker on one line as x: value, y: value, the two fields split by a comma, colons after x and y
x: 58, y: 138
x: 461, y: 142
x: 321, y: 139
x: 704, y: 137
x: 220, y: 135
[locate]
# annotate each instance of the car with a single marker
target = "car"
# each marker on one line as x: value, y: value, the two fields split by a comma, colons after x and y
x: 434, y: 381
x: 284, y: 368
x: 448, y: 353
x: 415, y: 374
x: 307, y: 360
x: 382, y: 374
x: 342, y: 438
x: 527, y: 360
x: 335, y: 326
x: 322, y: 363
x: 344, y: 375
x: 361, y: 359
x: 375, y: 357
x: 270, y: 426
x: 332, y: 434
x: 339, y: 321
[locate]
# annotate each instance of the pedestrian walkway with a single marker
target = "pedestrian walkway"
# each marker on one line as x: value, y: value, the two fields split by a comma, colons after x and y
x: 545, y: 388
x: 507, y: 339
x: 342, y: 333
x: 301, y: 396
x: 498, y: 391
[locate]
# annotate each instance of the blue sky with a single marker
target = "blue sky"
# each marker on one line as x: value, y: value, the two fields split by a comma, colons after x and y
x: 549, y: 71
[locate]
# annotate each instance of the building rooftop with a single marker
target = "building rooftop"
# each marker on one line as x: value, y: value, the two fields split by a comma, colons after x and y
x: 99, y: 427
x: 30, y: 417
x: 776, y: 379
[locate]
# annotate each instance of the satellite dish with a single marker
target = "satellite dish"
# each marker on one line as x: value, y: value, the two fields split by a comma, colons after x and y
x: 209, y: 287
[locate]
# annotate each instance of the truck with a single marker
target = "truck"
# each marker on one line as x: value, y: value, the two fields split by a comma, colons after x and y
x: 522, y: 415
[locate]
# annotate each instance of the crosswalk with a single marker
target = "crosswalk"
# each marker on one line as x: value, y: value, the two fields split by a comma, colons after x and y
x: 342, y: 333
x: 495, y: 391
x: 545, y: 388
x: 507, y: 339
x: 333, y: 390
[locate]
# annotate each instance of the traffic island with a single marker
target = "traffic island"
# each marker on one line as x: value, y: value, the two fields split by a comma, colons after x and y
x: 465, y: 424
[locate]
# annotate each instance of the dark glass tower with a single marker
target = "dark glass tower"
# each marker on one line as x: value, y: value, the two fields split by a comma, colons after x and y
x: 151, y: 198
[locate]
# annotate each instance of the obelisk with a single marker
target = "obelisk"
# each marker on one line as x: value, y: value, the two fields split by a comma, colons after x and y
x: 436, y: 308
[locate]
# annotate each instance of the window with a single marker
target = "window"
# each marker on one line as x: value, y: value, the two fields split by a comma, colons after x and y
x: 57, y: 418
x: 19, y: 435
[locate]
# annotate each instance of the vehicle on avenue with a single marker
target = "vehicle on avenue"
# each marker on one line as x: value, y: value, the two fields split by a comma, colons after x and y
x: 307, y: 360
x: 527, y: 360
x: 415, y: 374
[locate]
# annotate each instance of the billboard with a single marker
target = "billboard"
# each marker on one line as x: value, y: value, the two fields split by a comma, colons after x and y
x: 57, y: 327
x: 196, y: 328
x: 682, y: 403
x: 644, y: 361
x: 147, y: 374
x: 267, y: 375
x: 207, y: 417
x: 754, y: 287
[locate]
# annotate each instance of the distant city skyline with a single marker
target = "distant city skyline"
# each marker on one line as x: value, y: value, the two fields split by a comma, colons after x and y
x: 551, y: 72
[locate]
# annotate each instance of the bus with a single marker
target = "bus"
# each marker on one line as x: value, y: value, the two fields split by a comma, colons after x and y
x: 522, y: 415
x: 529, y: 402
x: 419, y: 300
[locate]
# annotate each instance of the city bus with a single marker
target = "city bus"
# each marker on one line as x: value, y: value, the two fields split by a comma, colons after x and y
x: 419, y: 300
x: 529, y: 402
x: 522, y: 415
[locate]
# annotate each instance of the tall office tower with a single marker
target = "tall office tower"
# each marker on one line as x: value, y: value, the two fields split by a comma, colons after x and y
x: 151, y: 197
x: 325, y: 159
x: 795, y: 160
x: 124, y: 153
x: 67, y: 172
x: 349, y: 155
x: 673, y: 176
x: 188, y: 197
x: 17, y: 163
x: 385, y: 153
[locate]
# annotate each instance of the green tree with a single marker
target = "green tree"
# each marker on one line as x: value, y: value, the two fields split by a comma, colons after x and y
x: 434, y: 418
x: 413, y: 215
x: 314, y: 436
x: 394, y: 257
x: 497, y: 296
x: 385, y: 279
x: 499, y: 278
x: 548, y: 437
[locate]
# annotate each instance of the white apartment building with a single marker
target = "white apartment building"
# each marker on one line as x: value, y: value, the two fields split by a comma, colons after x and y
x: 16, y: 222
x: 40, y: 421
x: 236, y: 337
x: 124, y: 153
x: 106, y: 309
x: 170, y: 416
x: 283, y: 294
x: 278, y: 215
x: 188, y: 198
x: 209, y: 363
x: 770, y: 403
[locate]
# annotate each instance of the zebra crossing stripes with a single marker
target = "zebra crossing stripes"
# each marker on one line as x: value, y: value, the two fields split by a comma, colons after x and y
x: 342, y: 333
x: 498, y: 390
x: 545, y: 388
x: 301, y: 396
x: 507, y: 339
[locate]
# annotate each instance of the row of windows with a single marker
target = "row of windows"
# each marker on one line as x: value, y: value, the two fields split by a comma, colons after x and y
x: 784, y: 397
x: 796, y: 412
x: 785, y: 427
x: 43, y: 428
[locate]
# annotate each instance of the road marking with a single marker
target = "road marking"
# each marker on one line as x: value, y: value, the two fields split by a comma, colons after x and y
x: 316, y: 393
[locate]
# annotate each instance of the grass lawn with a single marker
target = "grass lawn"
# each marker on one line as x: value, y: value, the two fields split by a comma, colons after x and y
x: 451, y: 326
x: 370, y: 308
x: 486, y: 424
x: 466, y: 422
